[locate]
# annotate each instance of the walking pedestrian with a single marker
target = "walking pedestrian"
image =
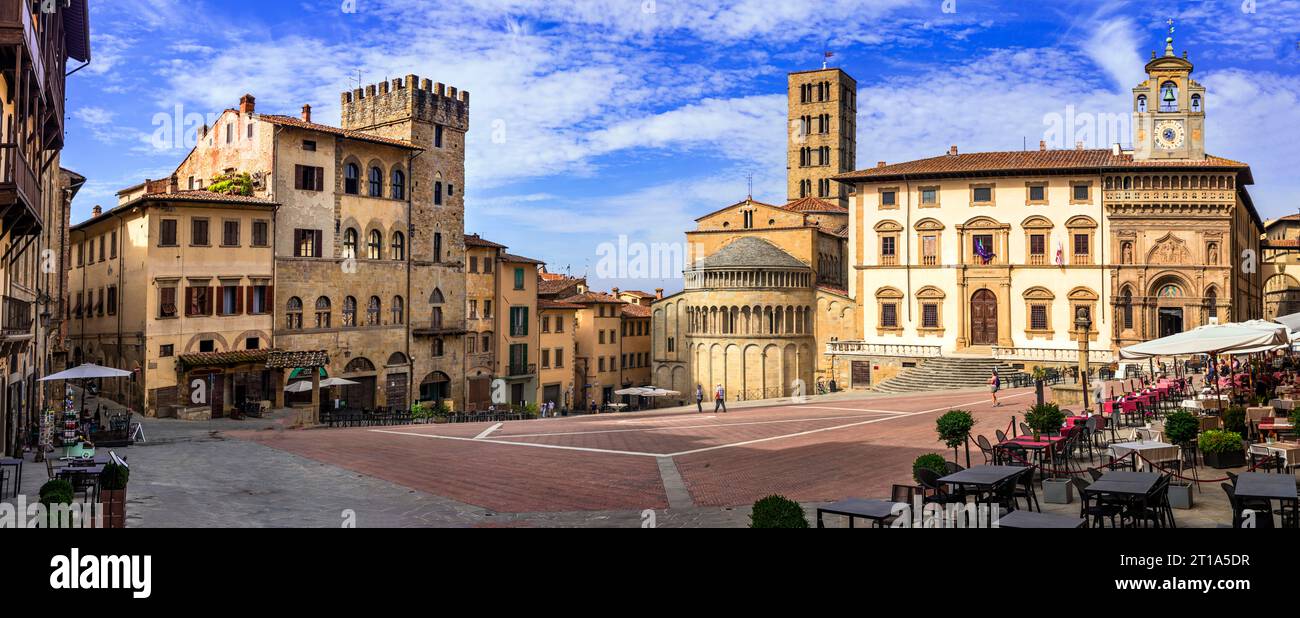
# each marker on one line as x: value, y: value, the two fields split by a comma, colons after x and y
x: 719, y: 399
x: 699, y: 398
x: 994, y: 384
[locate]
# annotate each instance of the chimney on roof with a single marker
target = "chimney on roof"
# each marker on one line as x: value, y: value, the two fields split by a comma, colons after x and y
x: 247, y: 104
x: 1116, y: 149
x: 1078, y: 145
x: 173, y: 184
x: 880, y: 163
x: 615, y: 291
x: 1042, y: 145
x: 953, y: 151
x: 96, y: 211
x: 659, y: 293
x: 306, y: 113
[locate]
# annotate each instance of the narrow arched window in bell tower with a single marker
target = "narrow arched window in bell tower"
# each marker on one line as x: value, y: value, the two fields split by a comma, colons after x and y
x: 1142, y: 104
x: 1196, y: 103
x: 1169, y: 97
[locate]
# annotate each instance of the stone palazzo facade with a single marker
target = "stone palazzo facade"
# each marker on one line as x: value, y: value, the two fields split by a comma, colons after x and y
x: 996, y: 253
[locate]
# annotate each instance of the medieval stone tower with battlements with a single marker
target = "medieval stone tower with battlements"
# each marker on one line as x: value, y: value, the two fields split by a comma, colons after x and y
x: 435, y: 119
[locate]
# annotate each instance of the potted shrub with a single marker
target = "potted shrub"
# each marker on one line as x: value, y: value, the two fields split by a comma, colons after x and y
x: 777, y: 512
x: 954, y: 430
x: 112, y: 488
x: 1222, y: 449
x: 1044, y: 418
x: 933, y: 462
x: 1234, y: 419
x: 1181, y: 429
x: 53, y: 494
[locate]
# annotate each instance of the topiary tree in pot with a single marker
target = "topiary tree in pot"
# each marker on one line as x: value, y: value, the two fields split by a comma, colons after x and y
x: 933, y: 462
x: 112, y: 486
x: 954, y: 430
x: 1234, y: 419
x: 1181, y: 427
x: 1044, y: 418
x: 55, y: 493
x: 777, y: 512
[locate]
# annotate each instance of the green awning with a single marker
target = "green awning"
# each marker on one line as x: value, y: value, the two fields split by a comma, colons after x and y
x: 301, y: 372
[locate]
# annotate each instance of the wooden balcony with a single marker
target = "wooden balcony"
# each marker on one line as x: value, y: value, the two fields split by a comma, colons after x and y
x: 20, y: 193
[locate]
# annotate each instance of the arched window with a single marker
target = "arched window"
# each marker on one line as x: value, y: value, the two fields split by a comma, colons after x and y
x: 323, y: 309
x: 437, y: 193
x: 375, y: 246
x: 350, y: 243
x: 1142, y: 103
x: 349, y: 312
x: 351, y: 179
x: 436, y: 299
x: 1127, y: 306
x: 372, y: 311
x: 399, y: 310
x: 376, y: 182
x: 1196, y: 102
x: 399, y: 185
x: 293, y: 314
x: 1169, y: 97
x: 399, y: 246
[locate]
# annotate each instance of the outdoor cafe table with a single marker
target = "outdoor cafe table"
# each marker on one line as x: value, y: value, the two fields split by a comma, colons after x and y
x: 1258, y: 413
x: 1038, y: 446
x: 1148, y: 449
x: 875, y: 510
x: 1288, y: 451
x: 1275, y: 427
x: 1266, y: 486
x: 983, y: 477
x: 1031, y: 519
x: 1124, y: 483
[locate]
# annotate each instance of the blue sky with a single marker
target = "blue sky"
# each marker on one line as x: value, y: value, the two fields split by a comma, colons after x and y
x: 634, y: 117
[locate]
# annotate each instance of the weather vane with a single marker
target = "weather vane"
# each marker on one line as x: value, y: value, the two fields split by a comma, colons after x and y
x: 1171, y: 25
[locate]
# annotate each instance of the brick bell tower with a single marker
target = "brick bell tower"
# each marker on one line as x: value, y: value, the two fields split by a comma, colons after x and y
x: 435, y: 118
x: 821, y: 134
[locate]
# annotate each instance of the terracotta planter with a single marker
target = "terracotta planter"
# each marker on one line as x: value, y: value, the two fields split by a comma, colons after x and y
x: 114, y: 501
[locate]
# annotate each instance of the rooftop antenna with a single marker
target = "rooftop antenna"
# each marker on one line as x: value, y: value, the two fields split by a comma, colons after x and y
x: 749, y: 178
x: 356, y: 79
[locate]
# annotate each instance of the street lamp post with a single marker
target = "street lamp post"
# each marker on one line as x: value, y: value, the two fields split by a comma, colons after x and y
x: 1083, y: 324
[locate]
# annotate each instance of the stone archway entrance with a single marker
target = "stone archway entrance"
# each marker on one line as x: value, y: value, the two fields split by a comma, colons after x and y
x: 983, y: 318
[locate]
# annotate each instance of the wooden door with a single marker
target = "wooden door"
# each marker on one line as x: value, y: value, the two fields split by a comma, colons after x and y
x: 983, y: 318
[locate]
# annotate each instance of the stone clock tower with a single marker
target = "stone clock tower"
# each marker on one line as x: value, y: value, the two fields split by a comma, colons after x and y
x: 1169, y: 110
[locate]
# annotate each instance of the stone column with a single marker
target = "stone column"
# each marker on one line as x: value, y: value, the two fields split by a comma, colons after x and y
x: 314, y: 415
x: 278, y: 382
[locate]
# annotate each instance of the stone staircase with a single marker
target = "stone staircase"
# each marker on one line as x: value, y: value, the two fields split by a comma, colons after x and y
x: 946, y: 373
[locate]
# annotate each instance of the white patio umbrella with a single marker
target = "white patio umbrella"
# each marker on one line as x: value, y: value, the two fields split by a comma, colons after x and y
x: 298, y: 387
x: 87, y: 371
x: 337, y: 382
x: 1291, y: 321
x: 635, y: 391
x: 1210, y: 339
x: 1265, y: 326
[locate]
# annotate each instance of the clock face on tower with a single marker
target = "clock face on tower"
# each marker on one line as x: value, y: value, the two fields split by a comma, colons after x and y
x: 1170, y: 135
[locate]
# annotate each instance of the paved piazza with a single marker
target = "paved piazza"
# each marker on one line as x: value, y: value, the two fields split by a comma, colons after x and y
x: 691, y: 469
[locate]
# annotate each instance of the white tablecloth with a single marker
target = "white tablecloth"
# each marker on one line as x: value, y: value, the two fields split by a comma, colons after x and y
x: 1151, y: 450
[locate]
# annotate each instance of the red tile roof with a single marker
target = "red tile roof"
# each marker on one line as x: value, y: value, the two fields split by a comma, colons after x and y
x: 290, y: 121
x: 207, y: 196
x: 555, y: 286
x: 588, y: 298
x: 637, y: 293
x: 982, y: 163
x: 546, y: 303
x: 519, y: 259
x: 224, y: 359
x: 636, y: 311
x: 474, y: 240
x: 813, y: 204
